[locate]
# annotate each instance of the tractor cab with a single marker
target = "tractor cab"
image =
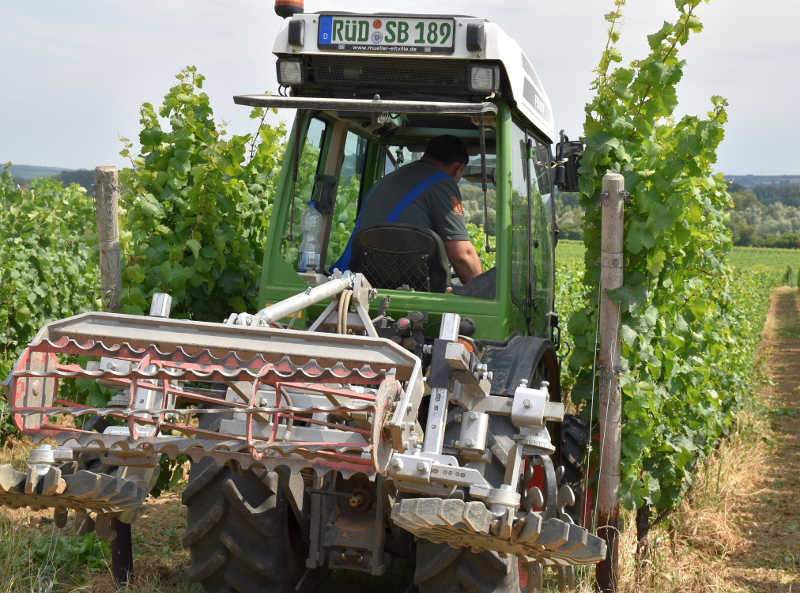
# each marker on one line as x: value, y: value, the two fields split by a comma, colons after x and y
x: 370, y: 92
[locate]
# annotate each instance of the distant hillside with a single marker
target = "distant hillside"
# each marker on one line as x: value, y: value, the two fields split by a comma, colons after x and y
x: 750, y: 181
x: 23, y: 174
x: 35, y: 172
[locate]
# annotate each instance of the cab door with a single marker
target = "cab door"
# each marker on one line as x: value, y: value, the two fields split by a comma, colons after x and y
x: 532, y: 252
x: 544, y: 231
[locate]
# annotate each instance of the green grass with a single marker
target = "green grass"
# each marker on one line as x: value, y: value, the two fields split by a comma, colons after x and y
x: 36, y: 556
x: 743, y: 257
x: 771, y: 257
x: 568, y: 251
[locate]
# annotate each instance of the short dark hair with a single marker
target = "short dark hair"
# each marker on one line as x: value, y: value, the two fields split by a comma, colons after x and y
x: 446, y: 149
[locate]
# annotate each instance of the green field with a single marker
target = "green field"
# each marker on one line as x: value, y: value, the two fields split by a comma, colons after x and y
x: 568, y: 252
x: 765, y: 256
x: 746, y: 257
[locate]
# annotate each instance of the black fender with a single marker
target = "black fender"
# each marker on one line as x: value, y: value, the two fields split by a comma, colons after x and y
x: 518, y: 359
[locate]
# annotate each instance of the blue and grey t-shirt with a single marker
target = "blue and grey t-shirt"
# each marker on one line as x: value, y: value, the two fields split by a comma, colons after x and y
x: 437, y: 208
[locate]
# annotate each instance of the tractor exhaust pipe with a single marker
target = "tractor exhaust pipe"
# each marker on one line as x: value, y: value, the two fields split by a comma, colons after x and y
x: 287, y: 8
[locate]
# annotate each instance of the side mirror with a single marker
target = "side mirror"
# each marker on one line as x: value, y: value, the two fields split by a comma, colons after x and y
x: 568, y: 160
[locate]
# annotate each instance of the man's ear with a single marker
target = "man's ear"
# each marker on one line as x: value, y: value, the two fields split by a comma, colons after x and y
x: 455, y: 170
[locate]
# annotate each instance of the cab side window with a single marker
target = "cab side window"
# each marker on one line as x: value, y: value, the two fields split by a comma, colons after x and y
x: 309, y: 163
x: 543, y: 230
x: 542, y: 165
x: 349, y: 189
x: 519, y: 218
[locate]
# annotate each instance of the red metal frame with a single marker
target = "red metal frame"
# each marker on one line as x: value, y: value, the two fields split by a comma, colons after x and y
x: 156, y: 370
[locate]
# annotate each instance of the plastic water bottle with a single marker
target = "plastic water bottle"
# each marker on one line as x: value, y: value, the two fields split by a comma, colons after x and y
x: 311, y: 224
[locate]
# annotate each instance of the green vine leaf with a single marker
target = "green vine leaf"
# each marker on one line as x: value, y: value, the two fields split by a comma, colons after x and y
x: 686, y: 331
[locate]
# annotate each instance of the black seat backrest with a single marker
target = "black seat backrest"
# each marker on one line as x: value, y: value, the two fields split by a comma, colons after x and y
x: 398, y: 255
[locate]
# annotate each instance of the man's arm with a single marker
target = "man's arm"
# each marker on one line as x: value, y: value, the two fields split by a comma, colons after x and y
x: 464, y: 259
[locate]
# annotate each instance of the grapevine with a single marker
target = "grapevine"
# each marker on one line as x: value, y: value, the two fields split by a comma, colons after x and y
x: 196, y: 211
x: 688, y: 332
x: 48, y: 263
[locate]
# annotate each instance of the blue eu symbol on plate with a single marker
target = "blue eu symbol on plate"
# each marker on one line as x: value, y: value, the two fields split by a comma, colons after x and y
x: 377, y: 37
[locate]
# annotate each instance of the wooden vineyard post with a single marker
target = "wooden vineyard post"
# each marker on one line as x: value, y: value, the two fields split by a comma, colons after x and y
x: 610, y: 399
x: 106, y: 206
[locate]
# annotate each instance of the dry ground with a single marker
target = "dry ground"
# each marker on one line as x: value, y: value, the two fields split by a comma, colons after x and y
x: 737, y: 531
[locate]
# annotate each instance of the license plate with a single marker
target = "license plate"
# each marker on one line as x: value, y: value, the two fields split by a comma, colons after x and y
x: 385, y: 34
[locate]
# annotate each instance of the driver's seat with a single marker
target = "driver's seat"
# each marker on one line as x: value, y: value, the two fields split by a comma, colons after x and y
x: 401, y: 256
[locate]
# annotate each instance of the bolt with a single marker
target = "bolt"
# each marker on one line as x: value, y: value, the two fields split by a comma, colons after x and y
x: 523, y: 383
x: 41, y: 457
x: 397, y: 465
x: 526, y: 403
x: 421, y: 467
x: 469, y: 443
x: 355, y: 501
x: 472, y: 416
x: 62, y: 454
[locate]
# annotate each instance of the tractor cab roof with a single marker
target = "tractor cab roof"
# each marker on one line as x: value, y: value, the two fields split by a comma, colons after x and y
x: 426, y: 59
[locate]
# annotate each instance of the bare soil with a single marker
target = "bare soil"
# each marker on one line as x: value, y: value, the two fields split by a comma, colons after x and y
x: 768, y: 513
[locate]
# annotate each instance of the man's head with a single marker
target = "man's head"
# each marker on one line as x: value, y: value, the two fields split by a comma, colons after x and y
x: 449, y: 154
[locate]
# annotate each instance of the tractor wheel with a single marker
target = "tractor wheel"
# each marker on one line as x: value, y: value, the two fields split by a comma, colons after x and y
x: 574, y: 440
x: 238, y: 531
x: 442, y: 569
x: 569, y: 437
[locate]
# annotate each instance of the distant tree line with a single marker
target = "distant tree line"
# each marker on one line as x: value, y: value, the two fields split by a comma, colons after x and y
x: 774, y: 194
x: 83, y: 177
x: 569, y: 216
x: 764, y: 216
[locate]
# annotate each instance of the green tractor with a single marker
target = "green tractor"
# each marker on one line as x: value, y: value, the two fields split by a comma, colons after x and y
x: 368, y: 415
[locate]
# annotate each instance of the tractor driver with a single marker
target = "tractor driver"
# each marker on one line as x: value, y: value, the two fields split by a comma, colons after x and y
x: 425, y: 194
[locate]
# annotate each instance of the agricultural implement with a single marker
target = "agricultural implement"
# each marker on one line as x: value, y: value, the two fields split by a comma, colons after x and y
x: 362, y: 417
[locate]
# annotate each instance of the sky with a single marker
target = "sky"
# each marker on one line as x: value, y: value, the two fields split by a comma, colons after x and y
x: 75, y: 73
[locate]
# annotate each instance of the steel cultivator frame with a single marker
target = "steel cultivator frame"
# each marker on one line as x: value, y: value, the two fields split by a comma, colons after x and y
x: 263, y: 396
x: 260, y: 396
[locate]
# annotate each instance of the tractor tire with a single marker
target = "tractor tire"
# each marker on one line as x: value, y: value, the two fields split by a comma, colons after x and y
x: 238, y: 531
x: 572, y: 452
x: 442, y: 569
